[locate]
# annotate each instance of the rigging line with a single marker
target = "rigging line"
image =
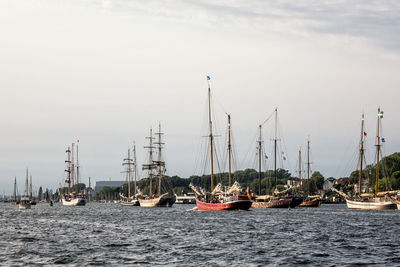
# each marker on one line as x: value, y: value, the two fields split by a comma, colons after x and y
x: 268, y: 118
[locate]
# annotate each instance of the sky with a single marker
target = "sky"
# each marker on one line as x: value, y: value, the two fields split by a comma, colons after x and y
x: 104, y: 72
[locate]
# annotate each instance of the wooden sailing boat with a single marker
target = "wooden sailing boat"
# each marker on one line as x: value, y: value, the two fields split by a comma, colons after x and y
x: 166, y: 199
x: 131, y: 199
x: 25, y: 203
x: 268, y: 201
x: 218, y: 199
x: 73, y: 196
x: 310, y: 201
x: 366, y: 202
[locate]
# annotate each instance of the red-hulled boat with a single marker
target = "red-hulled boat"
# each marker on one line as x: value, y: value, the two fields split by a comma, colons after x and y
x: 219, y: 199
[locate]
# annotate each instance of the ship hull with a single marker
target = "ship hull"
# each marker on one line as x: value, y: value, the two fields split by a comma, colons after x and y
x: 370, y: 205
x: 24, y: 206
x: 278, y: 203
x: 74, y: 202
x: 314, y: 203
x: 162, y: 201
x: 398, y: 206
x: 130, y: 203
x: 232, y: 205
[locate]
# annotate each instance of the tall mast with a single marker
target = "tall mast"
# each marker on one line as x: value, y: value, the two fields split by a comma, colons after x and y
x: 77, y: 169
x: 134, y: 160
x: 151, y: 165
x: 308, y: 165
x: 378, y: 146
x: 73, y: 166
x: 211, y: 138
x: 361, y: 156
x: 259, y: 163
x: 68, y: 170
x: 30, y: 188
x: 229, y: 149
x: 129, y: 173
x: 15, y: 189
x: 300, y: 163
x: 159, y: 162
x: 275, y: 143
x: 26, y: 184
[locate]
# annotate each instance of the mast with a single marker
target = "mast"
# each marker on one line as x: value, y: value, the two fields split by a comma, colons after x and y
x: 211, y: 138
x: 159, y: 163
x: 378, y: 146
x: 26, y: 184
x: 259, y: 163
x: 30, y: 188
x: 275, y: 143
x: 72, y: 167
x: 134, y: 157
x: 361, y: 156
x: 15, y: 189
x: 77, y: 169
x: 151, y: 164
x: 308, y: 165
x: 229, y: 149
x: 68, y: 170
x: 129, y: 173
x: 300, y: 163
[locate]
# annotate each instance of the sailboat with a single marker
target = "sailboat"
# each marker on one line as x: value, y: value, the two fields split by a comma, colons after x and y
x: 267, y: 201
x: 163, y: 198
x: 24, y: 203
x: 310, y: 201
x: 131, y: 199
x: 368, y: 201
x: 220, y: 199
x: 73, y: 196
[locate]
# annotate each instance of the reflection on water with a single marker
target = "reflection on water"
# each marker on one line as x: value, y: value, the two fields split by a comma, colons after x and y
x: 111, y: 234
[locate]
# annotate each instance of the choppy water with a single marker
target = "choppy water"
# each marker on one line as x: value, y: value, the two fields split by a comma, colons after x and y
x: 111, y: 234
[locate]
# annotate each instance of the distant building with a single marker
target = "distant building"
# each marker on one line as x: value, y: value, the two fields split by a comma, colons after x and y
x: 292, y: 183
x: 101, y: 184
x: 328, y: 183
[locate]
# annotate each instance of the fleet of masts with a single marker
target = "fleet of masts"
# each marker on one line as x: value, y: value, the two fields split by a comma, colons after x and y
x: 218, y: 198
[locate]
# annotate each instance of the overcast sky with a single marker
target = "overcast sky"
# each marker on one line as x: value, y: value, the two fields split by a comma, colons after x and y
x: 104, y: 72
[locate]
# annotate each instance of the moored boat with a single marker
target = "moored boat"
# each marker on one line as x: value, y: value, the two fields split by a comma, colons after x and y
x: 311, y: 202
x: 24, y: 203
x: 218, y: 199
x: 130, y: 199
x: 163, y: 197
x: 73, y: 197
x: 371, y: 204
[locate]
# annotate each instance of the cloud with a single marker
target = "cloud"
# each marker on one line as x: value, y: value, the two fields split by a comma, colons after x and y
x: 376, y: 21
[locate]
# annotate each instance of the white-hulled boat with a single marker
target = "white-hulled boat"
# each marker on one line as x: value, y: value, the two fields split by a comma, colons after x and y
x: 130, y: 200
x: 25, y: 202
x: 370, y: 202
x: 158, y: 199
x: 73, y: 201
x: 73, y: 197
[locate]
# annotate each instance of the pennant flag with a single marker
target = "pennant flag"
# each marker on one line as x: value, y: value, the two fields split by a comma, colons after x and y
x: 380, y: 114
x: 383, y: 140
x: 365, y: 134
x: 208, y: 78
x: 284, y: 158
x: 265, y: 156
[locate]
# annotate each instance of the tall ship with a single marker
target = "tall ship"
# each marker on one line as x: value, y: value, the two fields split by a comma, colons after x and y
x: 24, y: 202
x: 366, y: 201
x: 72, y: 195
x: 131, y: 199
x: 219, y: 199
x: 159, y: 195
x: 310, y: 201
x: 277, y: 200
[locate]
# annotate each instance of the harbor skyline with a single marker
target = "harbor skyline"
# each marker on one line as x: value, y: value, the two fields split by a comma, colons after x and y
x: 100, y: 71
